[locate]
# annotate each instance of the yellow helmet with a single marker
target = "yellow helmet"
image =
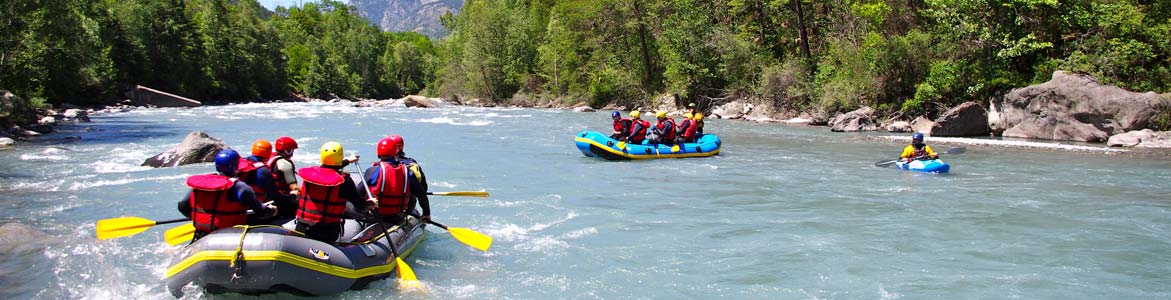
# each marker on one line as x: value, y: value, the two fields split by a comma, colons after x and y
x: 698, y: 116
x: 687, y: 115
x: 635, y: 114
x: 661, y: 114
x: 331, y: 154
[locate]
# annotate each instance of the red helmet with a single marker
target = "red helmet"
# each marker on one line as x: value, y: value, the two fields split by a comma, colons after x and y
x: 390, y: 146
x: 285, y: 143
x: 261, y: 148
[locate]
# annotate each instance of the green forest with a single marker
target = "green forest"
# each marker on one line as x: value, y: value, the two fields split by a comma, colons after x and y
x: 909, y: 57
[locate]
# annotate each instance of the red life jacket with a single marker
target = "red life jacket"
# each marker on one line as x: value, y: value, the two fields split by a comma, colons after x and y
x: 211, y: 209
x: 689, y: 131
x: 391, y: 189
x: 668, y: 134
x: 319, y: 202
x: 278, y: 176
x: 622, y: 125
x: 247, y: 173
x: 638, y: 137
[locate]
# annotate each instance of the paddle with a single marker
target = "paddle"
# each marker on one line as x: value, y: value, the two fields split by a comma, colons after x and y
x: 887, y: 162
x: 461, y: 193
x: 127, y: 226
x: 467, y: 236
x: 180, y: 234
x: 405, y: 274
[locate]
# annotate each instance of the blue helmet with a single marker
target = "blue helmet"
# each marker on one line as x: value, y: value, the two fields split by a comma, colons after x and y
x: 615, y: 114
x: 227, y: 162
x: 917, y: 137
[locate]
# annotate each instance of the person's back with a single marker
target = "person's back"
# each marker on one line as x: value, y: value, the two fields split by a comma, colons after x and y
x: 284, y: 171
x: 397, y: 182
x: 218, y: 200
x: 664, y: 129
x: 686, y: 130
x: 324, y: 194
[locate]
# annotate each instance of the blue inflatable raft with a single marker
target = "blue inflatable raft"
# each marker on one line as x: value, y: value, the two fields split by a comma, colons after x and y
x: 926, y: 166
x: 595, y: 144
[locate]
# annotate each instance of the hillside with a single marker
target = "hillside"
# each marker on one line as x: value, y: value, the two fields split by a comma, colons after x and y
x: 420, y: 16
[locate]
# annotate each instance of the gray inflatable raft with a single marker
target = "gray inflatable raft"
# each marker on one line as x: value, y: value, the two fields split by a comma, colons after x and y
x: 268, y: 259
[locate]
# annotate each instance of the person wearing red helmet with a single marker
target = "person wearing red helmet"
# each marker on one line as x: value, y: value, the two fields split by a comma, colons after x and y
x: 397, y: 182
x: 258, y: 175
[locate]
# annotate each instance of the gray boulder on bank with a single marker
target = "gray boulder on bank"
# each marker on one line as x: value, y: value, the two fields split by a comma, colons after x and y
x: 966, y: 119
x: 861, y: 119
x: 732, y: 110
x: 583, y: 109
x: 420, y: 101
x: 1145, y: 138
x: 898, y: 126
x: 197, y: 147
x: 6, y: 143
x: 145, y: 96
x: 1073, y: 107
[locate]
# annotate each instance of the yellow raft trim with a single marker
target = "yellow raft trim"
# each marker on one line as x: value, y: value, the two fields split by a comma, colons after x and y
x: 288, y: 258
x: 645, y: 156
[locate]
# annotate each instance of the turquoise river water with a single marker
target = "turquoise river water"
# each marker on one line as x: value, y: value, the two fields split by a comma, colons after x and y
x: 782, y: 213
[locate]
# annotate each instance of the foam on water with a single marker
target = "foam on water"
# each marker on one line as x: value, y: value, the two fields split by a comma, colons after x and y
x: 76, y: 186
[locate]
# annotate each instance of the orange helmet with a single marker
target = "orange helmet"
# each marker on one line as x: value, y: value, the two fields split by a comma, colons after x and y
x: 390, y: 146
x: 261, y: 148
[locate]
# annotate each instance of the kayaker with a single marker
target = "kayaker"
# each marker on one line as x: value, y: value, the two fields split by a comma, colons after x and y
x: 257, y: 175
x: 621, y: 126
x: 220, y: 200
x: 324, y: 195
x: 686, y: 130
x: 638, y: 129
x: 664, y: 129
x: 918, y: 150
x: 284, y: 172
x: 397, y: 182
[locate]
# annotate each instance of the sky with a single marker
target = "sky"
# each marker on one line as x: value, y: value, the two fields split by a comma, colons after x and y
x: 272, y: 4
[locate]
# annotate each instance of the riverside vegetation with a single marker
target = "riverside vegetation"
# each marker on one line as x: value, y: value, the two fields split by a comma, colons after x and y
x: 899, y: 57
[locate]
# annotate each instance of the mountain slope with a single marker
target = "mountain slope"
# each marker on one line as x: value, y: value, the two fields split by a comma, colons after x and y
x: 420, y: 16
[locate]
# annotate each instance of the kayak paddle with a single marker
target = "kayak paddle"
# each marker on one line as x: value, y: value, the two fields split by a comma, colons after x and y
x: 178, y: 235
x: 467, y: 236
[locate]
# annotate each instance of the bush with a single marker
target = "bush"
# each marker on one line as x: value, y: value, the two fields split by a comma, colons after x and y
x: 786, y: 86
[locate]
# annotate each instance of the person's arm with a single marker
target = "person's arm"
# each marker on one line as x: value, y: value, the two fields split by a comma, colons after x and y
x: 265, y: 181
x: 244, y: 194
x: 930, y: 153
x: 185, y: 205
x: 372, y: 174
x: 350, y: 192
x: 290, y: 175
x: 418, y: 182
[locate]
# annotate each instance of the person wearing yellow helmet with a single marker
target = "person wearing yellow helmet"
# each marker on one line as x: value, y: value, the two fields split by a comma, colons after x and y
x: 698, y: 124
x: 664, y: 129
x: 686, y: 130
x: 638, y: 128
x: 324, y: 193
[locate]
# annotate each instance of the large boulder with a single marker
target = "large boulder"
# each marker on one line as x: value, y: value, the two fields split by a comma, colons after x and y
x: 76, y: 114
x: 1145, y: 138
x: 966, y: 119
x: 731, y: 110
x: 898, y: 126
x: 6, y: 143
x: 197, y: 147
x: 583, y: 109
x: 420, y: 101
x: 922, y: 125
x: 861, y: 119
x: 1073, y: 107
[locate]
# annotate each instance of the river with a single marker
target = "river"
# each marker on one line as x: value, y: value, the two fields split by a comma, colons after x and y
x: 782, y: 213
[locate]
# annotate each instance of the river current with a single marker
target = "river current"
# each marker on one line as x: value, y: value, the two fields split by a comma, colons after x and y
x: 781, y: 213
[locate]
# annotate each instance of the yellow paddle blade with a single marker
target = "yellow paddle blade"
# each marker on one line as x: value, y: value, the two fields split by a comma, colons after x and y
x: 406, y: 276
x: 621, y: 145
x: 464, y: 193
x: 471, y: 238
x: 675, y: 149
x: 180, y: 234
x: 120, y: 227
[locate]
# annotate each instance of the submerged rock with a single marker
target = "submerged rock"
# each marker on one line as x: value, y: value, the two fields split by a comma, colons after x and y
x: 966, y: 119
x: 197, y: 147
x: 1073, y: 107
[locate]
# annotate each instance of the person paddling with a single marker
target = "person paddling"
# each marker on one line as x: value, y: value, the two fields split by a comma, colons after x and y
x: 219, y: 200
x: 664, y: 129
x: 257, y: 175
x: 284, y: 171
x: 397, y: 182
x: 621, y: 126
x: 638, y: 128
x: 324, y: 195
x: 687, y: 129
x: 918, y: 150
